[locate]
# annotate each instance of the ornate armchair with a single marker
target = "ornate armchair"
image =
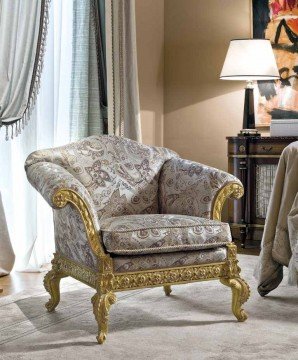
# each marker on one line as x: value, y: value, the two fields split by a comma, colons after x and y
x: 130, y: 216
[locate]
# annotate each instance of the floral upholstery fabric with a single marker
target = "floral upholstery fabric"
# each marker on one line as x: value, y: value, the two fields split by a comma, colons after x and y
x: 47, y: 178
x: 70, y: 237
x: 168, y: 260
x: 120, y: 175
x: 138, y: 197
x: 70, y: 234
x: 189, y: 188
x: 157, y: 233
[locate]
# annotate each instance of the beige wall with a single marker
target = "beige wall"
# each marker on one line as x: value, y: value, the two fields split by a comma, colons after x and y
x: 150, y: 47
x: 199, y: 109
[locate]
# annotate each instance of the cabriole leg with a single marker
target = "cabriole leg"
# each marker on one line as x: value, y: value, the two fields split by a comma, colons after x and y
x: 239, y: 287
x: 240, y: 294
x: 167, y: 289
x: 101, y: 307
x: 52, y: 285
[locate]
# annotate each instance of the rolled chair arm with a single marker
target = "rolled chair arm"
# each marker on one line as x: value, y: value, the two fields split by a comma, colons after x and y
x: 232, y: 190
x: 47, y: 178
x: 190, y: 188
x: 58, y: 187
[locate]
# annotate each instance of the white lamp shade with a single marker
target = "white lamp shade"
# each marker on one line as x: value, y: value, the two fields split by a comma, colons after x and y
x: 249, y: 59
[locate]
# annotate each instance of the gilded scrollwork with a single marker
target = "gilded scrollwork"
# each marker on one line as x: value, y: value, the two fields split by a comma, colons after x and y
x: 240, y: 294
x: 232, y: 190
x: 106, y: 281
x: 51, y: 283
x: 101, y: 308
x: 64, y: 196
x: 77, y: 271
x: 125, y: 281
x: 232, y: 279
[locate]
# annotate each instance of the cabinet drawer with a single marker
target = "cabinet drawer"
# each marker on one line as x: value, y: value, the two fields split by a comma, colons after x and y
x: 266, y: 148
x: 237, y: 147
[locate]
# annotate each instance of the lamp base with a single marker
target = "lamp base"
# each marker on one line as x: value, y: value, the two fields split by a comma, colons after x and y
x: 249, y: 132
x: 248, y: 128
x: 249, y: 111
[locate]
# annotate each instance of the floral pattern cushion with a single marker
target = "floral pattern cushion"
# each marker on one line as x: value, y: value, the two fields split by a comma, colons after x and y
x: 120, y: 175
x: 189, y: 188
x: 168, y: 260
x: 157, y: 233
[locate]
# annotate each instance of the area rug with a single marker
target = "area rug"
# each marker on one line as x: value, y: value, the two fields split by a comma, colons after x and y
x: 195, y: 322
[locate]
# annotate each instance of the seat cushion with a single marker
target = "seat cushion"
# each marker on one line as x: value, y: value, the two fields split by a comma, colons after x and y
x: 131, y: 263
x: 160, y: 233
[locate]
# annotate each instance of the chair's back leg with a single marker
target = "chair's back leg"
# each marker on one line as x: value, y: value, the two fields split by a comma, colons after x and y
x: 167, y: 289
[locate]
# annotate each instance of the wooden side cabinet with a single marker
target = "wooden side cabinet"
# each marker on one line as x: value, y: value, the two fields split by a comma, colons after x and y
x: 254, y: 161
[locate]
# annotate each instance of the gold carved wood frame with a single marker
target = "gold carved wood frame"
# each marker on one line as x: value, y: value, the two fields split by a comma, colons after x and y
x: 106, y: 282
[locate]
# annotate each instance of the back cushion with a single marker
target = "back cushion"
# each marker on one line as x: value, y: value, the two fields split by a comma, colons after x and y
x: 121, y: 175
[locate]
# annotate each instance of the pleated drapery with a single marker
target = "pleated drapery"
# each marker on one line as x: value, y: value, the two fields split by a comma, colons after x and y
x: 105, y: 93
x: 23, y: 29
x: 122, y: 69
x: 104, y: 84
x: 88, y: 113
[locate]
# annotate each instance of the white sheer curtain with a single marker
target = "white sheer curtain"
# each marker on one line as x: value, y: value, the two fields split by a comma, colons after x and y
x: 28, y: 216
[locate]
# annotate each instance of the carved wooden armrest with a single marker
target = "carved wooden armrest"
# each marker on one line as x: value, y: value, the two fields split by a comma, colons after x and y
x: 231, y: 190
x: 65, y: 196
x: 59, y: 187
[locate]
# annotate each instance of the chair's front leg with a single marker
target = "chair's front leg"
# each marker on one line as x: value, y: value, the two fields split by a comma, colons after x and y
x: 239, y: 287
x: 240, y: 294
x: 101, y: 307
x: 52, y: 285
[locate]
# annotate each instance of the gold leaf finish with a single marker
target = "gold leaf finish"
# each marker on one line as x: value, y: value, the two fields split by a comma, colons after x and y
x: 240, y: 294
x: 239, y: 287
x: 76, y: 270
x: 167, y: 290
x: 51, y: 283
x: 64, y: 196
x: 101, y: 309
x: 181, y: 275
x: 231, y: 190
x: 107, y: 282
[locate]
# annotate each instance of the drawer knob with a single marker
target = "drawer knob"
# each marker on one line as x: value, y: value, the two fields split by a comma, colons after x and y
x: 269, y: 148
x: 242, y: 148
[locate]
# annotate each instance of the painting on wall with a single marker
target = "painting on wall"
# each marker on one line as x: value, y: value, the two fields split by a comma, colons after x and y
x: 277, y: 20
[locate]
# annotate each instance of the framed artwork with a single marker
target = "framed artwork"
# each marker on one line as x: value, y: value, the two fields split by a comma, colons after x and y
x: 277, y: 20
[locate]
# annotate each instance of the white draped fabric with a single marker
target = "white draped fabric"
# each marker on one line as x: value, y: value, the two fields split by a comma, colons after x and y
x: 51, y: 122
x: 26, y: 212
x: 7, y: 256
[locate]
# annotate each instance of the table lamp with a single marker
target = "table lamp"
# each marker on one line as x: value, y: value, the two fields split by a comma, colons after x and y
x: 249, y: 59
